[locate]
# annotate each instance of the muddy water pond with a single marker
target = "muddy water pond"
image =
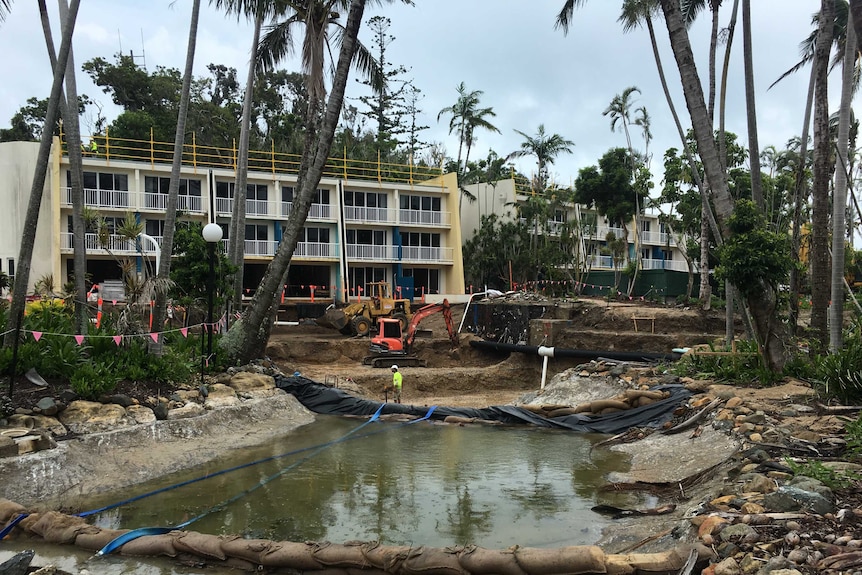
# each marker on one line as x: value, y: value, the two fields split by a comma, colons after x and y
x: 418, y: 484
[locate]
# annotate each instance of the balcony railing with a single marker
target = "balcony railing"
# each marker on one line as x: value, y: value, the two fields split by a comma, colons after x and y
x: 271, y: 161
x: 674, y: 265
x: 426, y: 254
x: 364, y: 252
x: 314, y: 250
x: 114, y: 243
x: 363, y: 214
x: 96, y: 198
x: 316, y: 212
x: 185, y: 203
x: 423, y: 218
x: 658, y: 238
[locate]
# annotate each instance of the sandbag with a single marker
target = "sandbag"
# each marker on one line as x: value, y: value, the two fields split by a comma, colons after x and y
x: 562, y: 411
x: 248, y: 549
x: 150, y: 546
x: 288, y: 554
x: 388, y: 558
x: 98, y: 539
x: 482, y: 561
x: 10, y: 509
x: 573, y: 560
x: 432, y: 561
x: 199, y: 544
x: 56, y: 527
x: 667, y: 562
x: 347, y: 555
x: 638, y: 393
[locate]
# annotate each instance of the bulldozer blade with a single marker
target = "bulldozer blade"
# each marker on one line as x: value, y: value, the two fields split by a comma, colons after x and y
x: 333, y: 318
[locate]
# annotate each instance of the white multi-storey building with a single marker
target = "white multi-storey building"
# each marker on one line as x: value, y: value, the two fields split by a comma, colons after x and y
x: 368, y: 222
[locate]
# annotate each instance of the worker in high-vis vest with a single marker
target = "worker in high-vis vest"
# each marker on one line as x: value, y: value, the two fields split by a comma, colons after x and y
x: 396, y: 383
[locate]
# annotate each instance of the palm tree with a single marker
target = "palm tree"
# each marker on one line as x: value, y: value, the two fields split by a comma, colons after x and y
x: 545, y: 148
x: 750, y: 107
x: 819, y: 253
x: 69, y: 111
x: 248, y: 337
x: 466, y: 116
x: 258, y: 10
x: 619, y: 111
x: 771, y: 332
x: 5, y: 8
x: 167, y: 246
x: 839, y: 193
x: 31, y: 218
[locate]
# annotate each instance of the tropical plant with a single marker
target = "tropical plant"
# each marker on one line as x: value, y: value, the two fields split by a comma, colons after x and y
x: 465, y: 116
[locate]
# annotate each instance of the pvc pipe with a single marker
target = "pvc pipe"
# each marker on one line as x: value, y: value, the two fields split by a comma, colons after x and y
x: 545, y: 353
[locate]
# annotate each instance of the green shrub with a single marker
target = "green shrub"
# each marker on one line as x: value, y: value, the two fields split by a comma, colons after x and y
x: 93, y: 379
x: 837, y: 375
x: 829, y: 477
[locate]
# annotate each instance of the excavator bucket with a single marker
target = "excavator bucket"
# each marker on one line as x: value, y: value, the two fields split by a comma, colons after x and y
x: 333, y: 318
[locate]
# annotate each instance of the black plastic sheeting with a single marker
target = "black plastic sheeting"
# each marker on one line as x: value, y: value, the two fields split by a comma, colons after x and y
x: 332, y: 401
x: 644, y: 356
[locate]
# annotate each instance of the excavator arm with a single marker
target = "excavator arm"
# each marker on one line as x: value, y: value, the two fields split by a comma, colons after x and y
x: 425, y: 311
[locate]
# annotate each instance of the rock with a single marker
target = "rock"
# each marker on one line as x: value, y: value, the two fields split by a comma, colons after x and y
x: 47, y: 406
x: 140, y: 414
x: 787, y: 498
x: 188, y: 410
x: 160, y: 410
x: 760, y: 484
x: 19, y: 564
x: 245, y: 381
x: 67, y: 396
x: 220, y: 395
x: 88, y: 416
x: 727, y: 567
x: 8, y: 448
x: 119, y: 399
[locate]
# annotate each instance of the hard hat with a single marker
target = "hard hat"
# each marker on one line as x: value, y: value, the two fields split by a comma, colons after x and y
x: 395, y: 367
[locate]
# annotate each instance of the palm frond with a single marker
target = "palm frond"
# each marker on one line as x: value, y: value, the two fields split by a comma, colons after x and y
x: 564, y: 18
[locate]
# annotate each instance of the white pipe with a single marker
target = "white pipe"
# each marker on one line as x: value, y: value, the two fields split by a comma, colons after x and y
x: 545, y: 353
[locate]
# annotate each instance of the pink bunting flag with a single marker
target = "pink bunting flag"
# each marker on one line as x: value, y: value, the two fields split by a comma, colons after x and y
x: 117, y: 339
x: 155, y: 337
x: 37, y: 335
x: 79, y: 339
x: 184, y: 331
x: 113, y: 302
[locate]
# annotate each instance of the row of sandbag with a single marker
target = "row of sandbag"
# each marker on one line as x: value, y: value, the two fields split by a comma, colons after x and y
x: 629, y: 399
x: 356, y: 558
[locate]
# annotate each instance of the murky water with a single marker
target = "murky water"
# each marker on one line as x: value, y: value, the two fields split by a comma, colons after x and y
x: 421, y: 484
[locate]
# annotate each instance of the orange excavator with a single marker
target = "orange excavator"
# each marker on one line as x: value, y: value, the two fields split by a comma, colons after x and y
x: 392, y: 345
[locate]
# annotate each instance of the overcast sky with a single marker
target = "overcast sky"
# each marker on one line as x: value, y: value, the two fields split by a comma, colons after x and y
x: 530, y: 73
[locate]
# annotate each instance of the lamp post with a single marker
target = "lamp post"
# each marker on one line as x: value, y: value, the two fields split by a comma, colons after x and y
x: 212, y: 234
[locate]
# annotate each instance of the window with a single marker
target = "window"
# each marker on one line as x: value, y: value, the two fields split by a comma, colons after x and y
x: 315, y: 235
x: 645, y: 225
x: 224, y: 190
x: 155, y: 228
x: 366, y: 237
x: 424, y: 280
x: 365, y: 199
x: 418, y: 239
x: 362, y: 276
x: 667, y: 255
x: 11, y: 262
x: 103, y: 189
x: 256, y: 232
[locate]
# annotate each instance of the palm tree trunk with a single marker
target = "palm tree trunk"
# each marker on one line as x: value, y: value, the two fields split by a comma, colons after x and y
x: 839, y: 193
x: 799, y: 198
x: 770, y: 330
x: 31, y: 218
x: 751, y: 111
x: 237, y: 222
x: 73, y: 142
x: 174, y: 187
x: 713, y: 49
x: 248, y: 337
x: 819, y: 253
x: 729, y: 291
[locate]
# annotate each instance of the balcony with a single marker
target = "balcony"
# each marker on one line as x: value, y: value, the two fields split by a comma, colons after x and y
x: 114, y: 245
x: 423, y: 218
x: 657, y: 238
x: 185, y: 203
x: 363, y: 215
x: 370, y: 253
x: 316, y: 212
x: 224, y: 207
x: 426, y: 254
x: 602, y: 232
x: 673, y: 265
x: 315, y: 251
x: 105, y: 199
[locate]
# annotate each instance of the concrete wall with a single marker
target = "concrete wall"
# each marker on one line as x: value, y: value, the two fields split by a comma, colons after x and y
x: 490, y: 199
x: 17, y: 167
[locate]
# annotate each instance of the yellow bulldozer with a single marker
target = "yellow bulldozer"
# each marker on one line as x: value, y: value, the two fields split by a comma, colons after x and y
x: 360, y: 317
